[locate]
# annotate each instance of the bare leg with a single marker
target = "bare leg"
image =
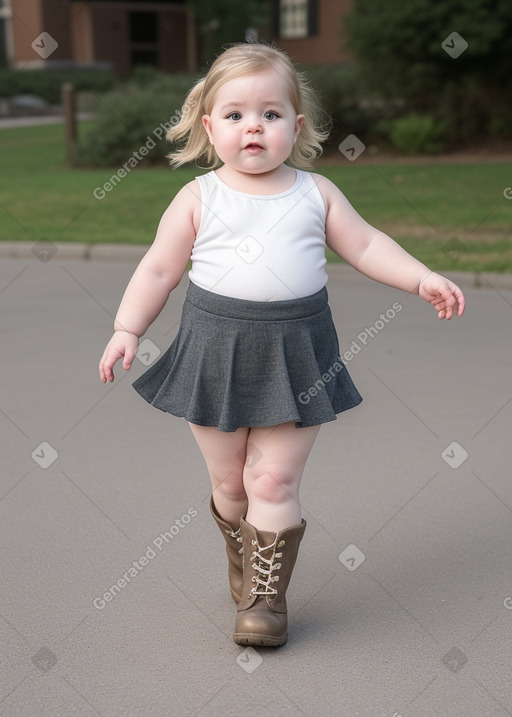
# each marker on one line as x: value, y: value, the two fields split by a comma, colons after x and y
x: 224, y: 455
x: 273, y: 470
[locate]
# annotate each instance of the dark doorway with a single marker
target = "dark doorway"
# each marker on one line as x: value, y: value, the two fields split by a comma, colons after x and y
x: 144, y: 39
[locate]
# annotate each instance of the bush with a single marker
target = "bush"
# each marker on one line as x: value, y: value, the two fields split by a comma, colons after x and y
x: 145, y: 77
x: 418, y: 134
x: 500, y: 122
x: 404, y: 51
x: 47, y: 83
x: 149, y: 97
x: 129, y: 118
x: 346, y: 98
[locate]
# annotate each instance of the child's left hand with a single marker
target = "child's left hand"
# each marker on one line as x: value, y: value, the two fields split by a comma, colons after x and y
x: 443, y: 294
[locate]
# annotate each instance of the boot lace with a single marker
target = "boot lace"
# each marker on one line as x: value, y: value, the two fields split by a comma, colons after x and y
x: 235, y: 534
x: 264, y: 568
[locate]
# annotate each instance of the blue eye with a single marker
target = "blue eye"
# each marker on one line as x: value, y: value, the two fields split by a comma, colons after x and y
x: 270, y: 116
x: 235, y: 116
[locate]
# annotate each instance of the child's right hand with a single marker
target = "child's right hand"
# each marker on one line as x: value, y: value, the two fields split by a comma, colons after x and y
x: 122, y: 343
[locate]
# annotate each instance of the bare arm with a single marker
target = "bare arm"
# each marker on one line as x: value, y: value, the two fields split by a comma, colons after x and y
x: 379, y: 257
x: 157, y: 274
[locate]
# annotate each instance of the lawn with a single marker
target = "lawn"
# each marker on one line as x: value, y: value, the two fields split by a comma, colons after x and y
x: 451, y: 216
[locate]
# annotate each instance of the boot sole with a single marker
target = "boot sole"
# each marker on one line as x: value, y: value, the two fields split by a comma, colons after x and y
x: 253, y: 638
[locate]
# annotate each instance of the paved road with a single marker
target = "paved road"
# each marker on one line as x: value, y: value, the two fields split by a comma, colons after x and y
x: 401, y: 600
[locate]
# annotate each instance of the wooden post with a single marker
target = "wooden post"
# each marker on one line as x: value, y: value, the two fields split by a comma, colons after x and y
x: 68, y: 106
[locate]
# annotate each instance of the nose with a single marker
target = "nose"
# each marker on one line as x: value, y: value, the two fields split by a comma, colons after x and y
x: 253, y: 124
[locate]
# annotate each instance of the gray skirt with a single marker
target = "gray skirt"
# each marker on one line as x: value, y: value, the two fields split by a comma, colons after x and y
x: 246, y: 363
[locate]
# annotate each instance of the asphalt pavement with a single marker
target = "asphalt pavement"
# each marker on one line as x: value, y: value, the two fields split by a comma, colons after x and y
x: 114, y: 577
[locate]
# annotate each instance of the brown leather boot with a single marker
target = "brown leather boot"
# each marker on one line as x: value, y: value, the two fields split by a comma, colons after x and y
x: 268, y: 561
x: 234, y: 552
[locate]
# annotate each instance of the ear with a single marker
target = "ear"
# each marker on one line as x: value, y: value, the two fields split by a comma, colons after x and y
x: 298, y: 126
x: 207, y: 124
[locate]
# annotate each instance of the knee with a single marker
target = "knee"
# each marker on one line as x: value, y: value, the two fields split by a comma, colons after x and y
x: 272, y: 486
x: 231, y: 486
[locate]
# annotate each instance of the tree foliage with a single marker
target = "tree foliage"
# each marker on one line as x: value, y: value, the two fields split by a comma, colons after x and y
x: 400, y: 47
x: 221, y: 22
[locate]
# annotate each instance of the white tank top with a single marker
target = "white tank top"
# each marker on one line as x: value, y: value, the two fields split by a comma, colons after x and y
x: 260, y: 248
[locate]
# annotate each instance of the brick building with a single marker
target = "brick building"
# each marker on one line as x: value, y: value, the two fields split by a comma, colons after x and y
x: 125, y: 33
x: 310, y: 30
x: 120, y: 34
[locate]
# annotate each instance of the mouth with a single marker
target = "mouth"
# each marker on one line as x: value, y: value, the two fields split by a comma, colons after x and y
x: 253, y: 147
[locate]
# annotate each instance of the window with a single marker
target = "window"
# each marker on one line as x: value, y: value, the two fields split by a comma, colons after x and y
x: 6, y: 41
x: 297, y: 19
x: 144, y: 38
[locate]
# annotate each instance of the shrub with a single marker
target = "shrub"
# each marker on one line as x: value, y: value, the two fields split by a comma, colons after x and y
x: 418, y: 134
x: 145, y: 77
x: 346, y: 98
x: 47, y: 83
x: 500, y: 122
x: 129, y: 117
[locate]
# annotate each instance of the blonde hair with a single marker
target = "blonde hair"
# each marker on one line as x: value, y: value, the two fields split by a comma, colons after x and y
x: 238, y: 60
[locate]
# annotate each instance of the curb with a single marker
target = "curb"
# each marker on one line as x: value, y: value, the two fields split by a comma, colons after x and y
x: 133, y: 253
x: 465, y: 279
x: 44, y: 250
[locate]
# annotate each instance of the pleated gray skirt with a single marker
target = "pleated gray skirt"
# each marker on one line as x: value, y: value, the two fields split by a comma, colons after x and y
x: 246, y: 363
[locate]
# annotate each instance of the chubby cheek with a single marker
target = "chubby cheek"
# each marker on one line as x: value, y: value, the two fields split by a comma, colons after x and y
x: 284, y: 142
x: 228, y: 141
x: 220, y: 139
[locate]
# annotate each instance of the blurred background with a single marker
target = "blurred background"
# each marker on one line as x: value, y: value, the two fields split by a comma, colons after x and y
x: 412, y: 81
x: 372, y: 61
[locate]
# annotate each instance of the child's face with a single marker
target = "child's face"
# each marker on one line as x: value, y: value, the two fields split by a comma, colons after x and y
x: 253, y: 124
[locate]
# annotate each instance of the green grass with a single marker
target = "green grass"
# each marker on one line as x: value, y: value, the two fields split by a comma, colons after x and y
x: 41, y: 197
x: 451, y: 216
